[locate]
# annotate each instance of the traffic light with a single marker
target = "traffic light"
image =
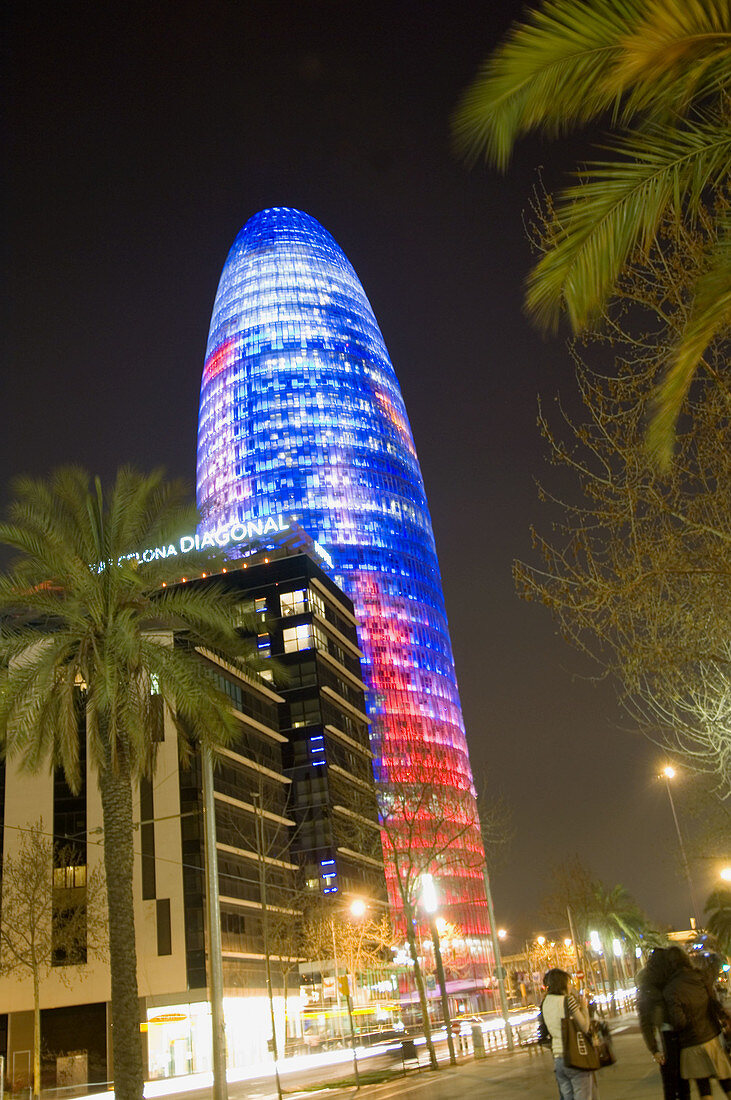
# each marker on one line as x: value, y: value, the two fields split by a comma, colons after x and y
x: 344, y: 984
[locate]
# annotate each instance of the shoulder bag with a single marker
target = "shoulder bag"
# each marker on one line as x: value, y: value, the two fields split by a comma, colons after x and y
x: 579, y: 1051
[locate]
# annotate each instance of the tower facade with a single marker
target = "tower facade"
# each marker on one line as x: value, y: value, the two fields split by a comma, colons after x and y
x: 301, y: 415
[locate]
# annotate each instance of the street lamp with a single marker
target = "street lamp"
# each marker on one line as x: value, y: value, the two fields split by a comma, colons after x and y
x: 342, y: 982
x: 215, y: 949
x: 429, y: 904
x: 725, y: 874
x: 669, y: 773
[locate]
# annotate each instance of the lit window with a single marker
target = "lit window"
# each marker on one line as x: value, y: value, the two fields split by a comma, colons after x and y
x: 316, y: 604
x: 297, y: 638
x: 71, y: 877
x: 293, y: 603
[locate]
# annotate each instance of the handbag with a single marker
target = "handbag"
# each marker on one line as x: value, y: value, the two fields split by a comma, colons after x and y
x: 603, y: 1044
x: 579, y: 1051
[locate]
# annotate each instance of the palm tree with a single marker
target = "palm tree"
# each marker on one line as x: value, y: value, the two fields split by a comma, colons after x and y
x: 658, y: 72
x: 718, y: 908
x: 615, y: 914
x: 80, y: 619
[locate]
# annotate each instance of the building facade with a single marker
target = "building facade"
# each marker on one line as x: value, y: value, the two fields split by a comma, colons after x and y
x: 301, y: 413
x: 287, y: 791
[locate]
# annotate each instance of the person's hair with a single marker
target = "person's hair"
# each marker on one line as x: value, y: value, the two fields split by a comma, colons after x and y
x: 677, y: 959
x: 556, y: 981
x: 658, y: 968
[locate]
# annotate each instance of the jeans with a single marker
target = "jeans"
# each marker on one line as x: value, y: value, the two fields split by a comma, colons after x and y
x: 573, y: 1084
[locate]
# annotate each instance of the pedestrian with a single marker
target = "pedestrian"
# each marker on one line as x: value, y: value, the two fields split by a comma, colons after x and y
x: 654, y: 1024
x: 573, y: 1084
x: 691, y: 1008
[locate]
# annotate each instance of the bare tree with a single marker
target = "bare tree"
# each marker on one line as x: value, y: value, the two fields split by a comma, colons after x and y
x: 52, y: 918
x: 636, y: 565
x: 426, y: 829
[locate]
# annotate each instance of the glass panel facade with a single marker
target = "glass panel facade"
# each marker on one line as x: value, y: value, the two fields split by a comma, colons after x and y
x: 301, y: 415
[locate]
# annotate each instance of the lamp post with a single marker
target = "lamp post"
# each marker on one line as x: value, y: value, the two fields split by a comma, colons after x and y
x: 342, y: 982
x: 495, y: 936
x: 259, y: 825
x: 669, y: 773
x: 429, y: 905
x: 215, y: 953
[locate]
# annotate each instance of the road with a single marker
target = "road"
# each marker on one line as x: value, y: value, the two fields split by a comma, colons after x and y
x: 497, y: 1077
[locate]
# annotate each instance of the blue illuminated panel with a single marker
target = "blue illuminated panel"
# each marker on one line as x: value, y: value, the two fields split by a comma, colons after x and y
x: 301, y: 415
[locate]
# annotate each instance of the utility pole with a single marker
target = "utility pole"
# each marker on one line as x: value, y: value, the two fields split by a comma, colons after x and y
x: 215, y: 953
x: 429, y: 904
x: 498, y: 964
x: 575, y: 942
x: 345, y: 979
x: 259, y: 821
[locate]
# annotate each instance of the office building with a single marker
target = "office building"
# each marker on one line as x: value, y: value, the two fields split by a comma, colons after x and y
x: 301, y: 414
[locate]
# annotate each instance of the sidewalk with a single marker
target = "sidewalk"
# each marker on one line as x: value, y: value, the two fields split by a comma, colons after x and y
x: 519, y: 1075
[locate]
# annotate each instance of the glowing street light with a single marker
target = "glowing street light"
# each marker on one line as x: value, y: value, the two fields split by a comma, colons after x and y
x: 357, y: 908
x: 502, y: 933
x: 725, y: 874
x: 669, y: 773
x: 430, y: 904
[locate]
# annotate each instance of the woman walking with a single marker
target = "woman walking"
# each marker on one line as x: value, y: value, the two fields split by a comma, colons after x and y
x: 692, y: 1011
x: 573, y: 1084
x: 654, y: 1023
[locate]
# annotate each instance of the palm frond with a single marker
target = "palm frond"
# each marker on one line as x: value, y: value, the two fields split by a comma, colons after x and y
x: 680, y: 50
x: 618, y: 208
x: 553, y: 71
x: 710, y: 317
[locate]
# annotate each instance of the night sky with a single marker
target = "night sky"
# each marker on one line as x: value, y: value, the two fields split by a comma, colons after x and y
x: 141, y: 138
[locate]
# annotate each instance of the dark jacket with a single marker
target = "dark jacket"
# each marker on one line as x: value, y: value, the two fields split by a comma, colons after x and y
x: 688, y: 1003
x: 651, y: 1011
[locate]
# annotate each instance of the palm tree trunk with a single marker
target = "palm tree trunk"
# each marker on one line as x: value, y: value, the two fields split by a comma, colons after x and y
x: 116, y: 793
x: 612, y: 983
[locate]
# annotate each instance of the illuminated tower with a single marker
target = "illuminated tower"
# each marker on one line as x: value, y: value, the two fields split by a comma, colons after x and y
x: 301, y: 415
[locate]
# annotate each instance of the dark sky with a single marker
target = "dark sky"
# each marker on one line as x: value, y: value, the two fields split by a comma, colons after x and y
x: 141, y: 138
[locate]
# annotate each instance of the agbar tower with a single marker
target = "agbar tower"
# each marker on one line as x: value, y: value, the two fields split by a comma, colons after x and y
x: 301, y: 414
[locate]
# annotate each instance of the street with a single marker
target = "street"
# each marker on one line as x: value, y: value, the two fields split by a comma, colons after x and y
x: 497, y: 1077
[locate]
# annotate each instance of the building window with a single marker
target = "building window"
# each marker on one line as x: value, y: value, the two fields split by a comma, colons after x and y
x: 297, y: 638
x: 164, y: 931
x: 293, y: 603
x: 316, y: 603
x: 69, y: 878
x: 305, y: 712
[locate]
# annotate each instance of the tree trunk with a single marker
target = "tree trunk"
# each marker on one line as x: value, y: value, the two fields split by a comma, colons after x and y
x: 421, y: 989
x: 612, y: 983
x: 36, y: 1034
x: 116, y: 794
